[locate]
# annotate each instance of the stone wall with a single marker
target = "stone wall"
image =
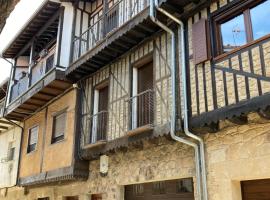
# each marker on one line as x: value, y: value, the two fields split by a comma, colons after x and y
x: 235, y: 153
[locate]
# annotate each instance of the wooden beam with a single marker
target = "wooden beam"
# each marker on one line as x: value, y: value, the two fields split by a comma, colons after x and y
x: 4, y: 127
x: 5, y: 122
x: 48, y: 23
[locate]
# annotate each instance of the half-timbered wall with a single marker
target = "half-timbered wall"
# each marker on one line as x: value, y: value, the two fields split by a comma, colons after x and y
x: 119, y: 75
x: 226, y: 81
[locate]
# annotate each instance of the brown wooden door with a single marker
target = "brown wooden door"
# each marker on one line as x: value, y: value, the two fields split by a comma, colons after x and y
x: 103, y: 115
x: 169, y: 190
x: 145, y: 107
x: 72, y: 198
x: 96, y: 197
x: 256, y: 190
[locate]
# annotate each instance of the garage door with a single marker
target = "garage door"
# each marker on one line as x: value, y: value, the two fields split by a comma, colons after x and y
x: 256, y: 190
x: 169, y: 190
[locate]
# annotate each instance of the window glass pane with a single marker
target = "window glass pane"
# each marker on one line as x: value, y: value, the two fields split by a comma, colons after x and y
x: 260, y: 18
x: 185, y: 186
x: 233, y: 33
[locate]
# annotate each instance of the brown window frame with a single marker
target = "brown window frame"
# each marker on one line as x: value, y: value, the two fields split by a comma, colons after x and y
x: 61, y: 137
x: 230, y: 11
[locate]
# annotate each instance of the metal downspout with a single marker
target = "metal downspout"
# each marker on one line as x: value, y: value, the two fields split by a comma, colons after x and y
x: 173, y: 114
x: 186, y: 124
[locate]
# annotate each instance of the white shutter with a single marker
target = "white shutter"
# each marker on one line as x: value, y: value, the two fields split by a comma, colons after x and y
x: 59, y: 125
x: 33, y: 135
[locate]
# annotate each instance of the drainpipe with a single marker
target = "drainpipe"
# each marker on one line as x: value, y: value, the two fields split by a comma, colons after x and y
x: 173, y: 114
x: 184, y: 80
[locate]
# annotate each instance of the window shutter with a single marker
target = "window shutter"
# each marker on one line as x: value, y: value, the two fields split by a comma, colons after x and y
x: 201, y: 41
x: 60, y: 124
x: 33, y: 135
x: 145, y: 77
x: 103, y: 99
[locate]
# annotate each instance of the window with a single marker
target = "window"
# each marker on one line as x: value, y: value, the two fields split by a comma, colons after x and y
x: 11, y: 151
x: 159, y: 188
x: 138, y: 189
x: 72, y: 198
x: 32, y: 139
x: 142, y: 101
x: 100, y: 115
x: 59, y: 126
x: 184, y: 186
x: 248, y: 25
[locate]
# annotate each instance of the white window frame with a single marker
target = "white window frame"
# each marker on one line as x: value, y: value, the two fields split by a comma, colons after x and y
x: 134, y: 99
x: 94, y: 122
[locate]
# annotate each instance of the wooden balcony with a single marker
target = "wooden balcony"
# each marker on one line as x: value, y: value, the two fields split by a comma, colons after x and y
x: 239, y: 83
x: 33, y: 91
x: 125, y: 24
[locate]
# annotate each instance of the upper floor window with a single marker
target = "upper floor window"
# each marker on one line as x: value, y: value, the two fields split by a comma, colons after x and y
x: 250, y: 23
x: 32, y: 139
x: 100, y: 115
x: 59, y: 126
x: 142, y: 101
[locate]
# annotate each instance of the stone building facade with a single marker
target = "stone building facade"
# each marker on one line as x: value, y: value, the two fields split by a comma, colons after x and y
x: 228, y: 108
x: 236, y: 153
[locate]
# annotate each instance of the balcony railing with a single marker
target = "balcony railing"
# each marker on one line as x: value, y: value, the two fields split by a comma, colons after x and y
x: 118, y: 14
x: 19, y: 88
x: 137, y: 112
x: 142, y: 109
x: 37, y: 72
x: 40, y: 68
x: 99, y: 127
x: 240, y: 84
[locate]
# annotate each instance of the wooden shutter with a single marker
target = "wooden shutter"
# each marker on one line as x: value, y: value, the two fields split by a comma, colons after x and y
x: 201, y: 41
x: 145, y: 77
x: 96, y: 197
x: 103, y: 99
x: 102, y: 120
x: 72, y: 198
x: 145, y: 108
x: 59, y: 125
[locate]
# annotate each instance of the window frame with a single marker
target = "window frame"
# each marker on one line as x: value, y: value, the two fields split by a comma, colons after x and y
x: 141, y: 62
x: 28, y: 139
x: 62, y: 137
x: 232, y: 10
x: 95, y: 108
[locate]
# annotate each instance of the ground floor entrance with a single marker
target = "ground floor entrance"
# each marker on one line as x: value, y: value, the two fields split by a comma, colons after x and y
x: 256, y: 189
x: 169, y: 190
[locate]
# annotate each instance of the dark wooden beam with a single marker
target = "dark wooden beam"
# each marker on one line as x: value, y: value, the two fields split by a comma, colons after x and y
x: 47, y: 24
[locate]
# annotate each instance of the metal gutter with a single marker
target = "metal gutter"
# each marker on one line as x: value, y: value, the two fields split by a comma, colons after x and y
x: 173, y: 114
